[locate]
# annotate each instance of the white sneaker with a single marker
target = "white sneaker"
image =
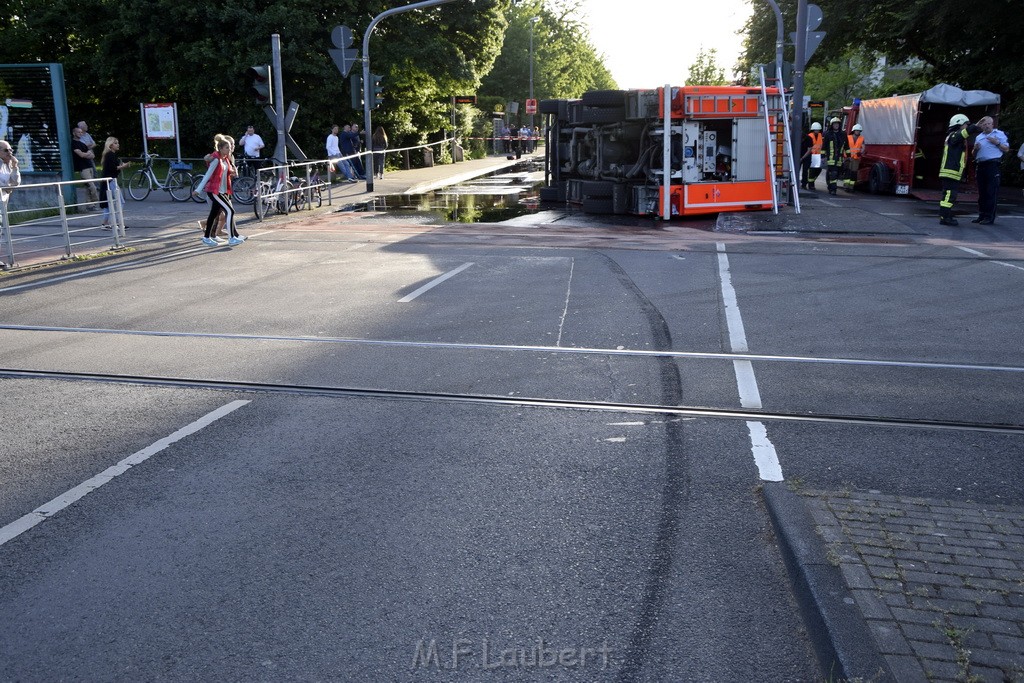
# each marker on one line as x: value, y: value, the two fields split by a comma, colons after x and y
x: 234, y: 241
x: 241, y: 237
x: 208, y: 242
x: 217, y: 240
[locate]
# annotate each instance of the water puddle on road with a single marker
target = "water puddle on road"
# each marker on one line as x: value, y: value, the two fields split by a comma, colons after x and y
x: 511, y: 193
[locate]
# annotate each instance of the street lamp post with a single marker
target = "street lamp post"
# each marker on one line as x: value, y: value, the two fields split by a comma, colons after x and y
x: 533, y: 22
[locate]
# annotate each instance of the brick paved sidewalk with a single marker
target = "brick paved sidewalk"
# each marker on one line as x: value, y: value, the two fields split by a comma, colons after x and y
x: 940, y: 583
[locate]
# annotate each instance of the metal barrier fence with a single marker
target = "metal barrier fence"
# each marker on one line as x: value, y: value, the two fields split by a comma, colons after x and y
x: 26, y: 233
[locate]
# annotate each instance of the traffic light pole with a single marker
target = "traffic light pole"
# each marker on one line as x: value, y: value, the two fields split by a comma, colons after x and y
x: 281, y: 149
x: 367, y: 85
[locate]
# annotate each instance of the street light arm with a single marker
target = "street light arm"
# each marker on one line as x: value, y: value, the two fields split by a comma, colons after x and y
x: 368, y: 133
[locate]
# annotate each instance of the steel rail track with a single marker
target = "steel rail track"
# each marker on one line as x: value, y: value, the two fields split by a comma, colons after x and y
x: 526, y: 347
x: 484, y: 399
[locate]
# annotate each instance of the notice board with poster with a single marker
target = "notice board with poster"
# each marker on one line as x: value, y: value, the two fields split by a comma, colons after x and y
x: 34, y: 117
x: 160, y: 119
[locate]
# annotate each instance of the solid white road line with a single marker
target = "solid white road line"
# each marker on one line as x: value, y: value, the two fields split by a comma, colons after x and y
x: 765, y: 457
x: 565, y: 309
x: 46, y: 510
x: 985, y: 256
x: 434, y: 283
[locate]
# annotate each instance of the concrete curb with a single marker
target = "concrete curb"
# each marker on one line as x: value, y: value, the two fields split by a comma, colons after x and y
x: 842, y: 642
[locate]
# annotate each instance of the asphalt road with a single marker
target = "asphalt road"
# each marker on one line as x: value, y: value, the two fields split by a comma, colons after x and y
x: 489, y: 477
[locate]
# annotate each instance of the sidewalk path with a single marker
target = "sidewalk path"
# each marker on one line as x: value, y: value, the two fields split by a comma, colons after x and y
x: 936, y: 586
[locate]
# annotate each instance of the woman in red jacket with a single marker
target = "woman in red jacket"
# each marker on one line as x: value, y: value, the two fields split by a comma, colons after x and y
x: 217, y: 185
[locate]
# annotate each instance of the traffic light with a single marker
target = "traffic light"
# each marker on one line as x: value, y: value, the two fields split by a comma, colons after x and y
x: 356, y: 81
x: 261, y: 87
x: 378, y: 90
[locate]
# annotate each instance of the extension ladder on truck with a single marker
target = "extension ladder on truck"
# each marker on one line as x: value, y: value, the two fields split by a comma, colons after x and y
x: 780, y: 148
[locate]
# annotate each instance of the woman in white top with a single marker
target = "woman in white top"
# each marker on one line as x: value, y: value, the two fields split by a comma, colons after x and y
x: 10, y: 174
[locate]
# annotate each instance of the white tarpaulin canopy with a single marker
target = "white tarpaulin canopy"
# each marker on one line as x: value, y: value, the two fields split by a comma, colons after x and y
x: 893, y: 120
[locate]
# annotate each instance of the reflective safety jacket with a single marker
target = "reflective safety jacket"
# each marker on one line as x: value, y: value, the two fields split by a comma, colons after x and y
x: 815, y: 142
x: 954, y: 154
x: 855, y: 144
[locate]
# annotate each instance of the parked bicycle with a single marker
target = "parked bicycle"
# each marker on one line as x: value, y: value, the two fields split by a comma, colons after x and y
x: 244, y: 186
x: 311, y: 192
x: 275, y: 194
x: 178, y: 181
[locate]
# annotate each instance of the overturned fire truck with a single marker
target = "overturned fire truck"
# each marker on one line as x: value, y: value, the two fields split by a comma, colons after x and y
x: 702, y: 149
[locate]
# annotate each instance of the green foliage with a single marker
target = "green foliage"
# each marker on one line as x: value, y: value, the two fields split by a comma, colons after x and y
x: 565, y: 64
x: 705, y: 70
x: 117, y: 55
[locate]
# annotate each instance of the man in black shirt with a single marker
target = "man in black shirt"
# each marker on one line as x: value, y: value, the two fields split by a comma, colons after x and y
x: 83, y: 159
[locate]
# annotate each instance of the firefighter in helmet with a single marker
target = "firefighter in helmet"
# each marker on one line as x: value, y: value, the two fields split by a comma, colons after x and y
x: 854, y: 149
x: 812, y: 145
x: 954, y: 161
x: 833, y: 152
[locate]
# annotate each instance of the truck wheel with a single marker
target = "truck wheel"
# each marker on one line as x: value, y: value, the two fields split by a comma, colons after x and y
x: 879, y: 180
x: 594, y: 205
x: 554, y: 193
x: 551, y: 107
x: 605, y: 98
x: 597, y: 188
x: 603, y: 115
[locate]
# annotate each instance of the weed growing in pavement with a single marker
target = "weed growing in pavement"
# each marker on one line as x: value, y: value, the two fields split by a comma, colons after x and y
x: 956, y: 637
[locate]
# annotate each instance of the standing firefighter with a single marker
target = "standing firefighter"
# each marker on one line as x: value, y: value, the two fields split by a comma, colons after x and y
x: 810, y: 159
x: 954, y: 161
x: 854, y: 148
x: 833, y: 152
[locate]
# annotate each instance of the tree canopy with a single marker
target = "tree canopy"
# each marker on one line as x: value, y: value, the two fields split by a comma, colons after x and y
x: 116, y: 55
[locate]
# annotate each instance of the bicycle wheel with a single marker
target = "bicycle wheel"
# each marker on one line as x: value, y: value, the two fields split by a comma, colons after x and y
x: 244, y: 189
x: 299, y: 197
x: 197, y: 196
x: 179, y: 184
x: 139, y: 186
x: 262, y: 202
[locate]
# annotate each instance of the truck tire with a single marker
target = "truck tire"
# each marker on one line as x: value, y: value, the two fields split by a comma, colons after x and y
x: 556, y: 107
x: 597, y: 188
x: 603, y: 114
x: 555, y: 193
x: 605, y: 98
x: 597, y: 205
x: 879, y: 180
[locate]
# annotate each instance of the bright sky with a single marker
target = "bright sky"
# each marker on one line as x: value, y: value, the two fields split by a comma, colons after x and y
x: 647, y: 43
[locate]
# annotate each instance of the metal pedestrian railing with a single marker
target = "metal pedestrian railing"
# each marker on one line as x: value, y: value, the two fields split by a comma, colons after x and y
x: 52, y: 225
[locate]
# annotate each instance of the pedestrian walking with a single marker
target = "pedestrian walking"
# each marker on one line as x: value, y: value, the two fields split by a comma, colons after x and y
x: 833, y: 152
x: 954, y: 161
x: 111, y: 167
x: 10, y: 174
x: 84, y: 162
x: 217, y: 185
x: 989, y: 147
x: 380, y: 144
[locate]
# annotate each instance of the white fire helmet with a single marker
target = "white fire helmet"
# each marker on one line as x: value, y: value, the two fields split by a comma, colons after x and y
x: 815, y: 126
x: 958, y: 120
x: 857, y: 127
